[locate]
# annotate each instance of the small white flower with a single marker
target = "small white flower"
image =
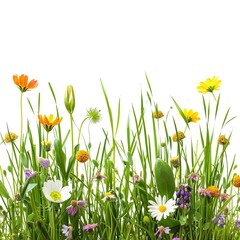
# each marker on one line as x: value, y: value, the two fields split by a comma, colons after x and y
x: 54, y: 192
x: 109, y: 196
x: 161, y: 209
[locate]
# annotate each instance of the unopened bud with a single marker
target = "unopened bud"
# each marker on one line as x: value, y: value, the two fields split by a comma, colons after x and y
x: 69, y: 99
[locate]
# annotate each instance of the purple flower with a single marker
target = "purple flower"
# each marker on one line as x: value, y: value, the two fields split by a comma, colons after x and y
x: 29, y: 174
x: 67, y: 231
x: 136, y: 178
x: 204, y: 192
x: 44, y: 162
x: 161, y: 230
x: 193, y: 176
x: 98, y: 176
x: 219, y: 219
x: 89, y: 227
x: 75, y: 205
x: 183, y: 196
x: 224, y: 196
x: 176, y: 238
x: 237, y: 222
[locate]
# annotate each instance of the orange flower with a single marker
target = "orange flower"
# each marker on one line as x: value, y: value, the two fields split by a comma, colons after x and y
x: 23, y: 84
x: 158, y: 114
x: 49, y: 122
x: 178, y: 136
x: 215, y: 192
x: 236, y: 181
x: 82, y: 156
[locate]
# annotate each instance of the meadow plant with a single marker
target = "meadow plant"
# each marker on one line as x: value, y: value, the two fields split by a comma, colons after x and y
x: 157, y: 180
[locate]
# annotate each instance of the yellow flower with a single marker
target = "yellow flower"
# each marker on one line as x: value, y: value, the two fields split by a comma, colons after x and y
x: 157, y: 114
x: 10, y: 137
x: 209, y: 85
x: 236, y: 181
x: 23, y: 84
x: 215, y: 192
x: 223, y: 140
x: 49, y: 122
x: 190, y: 115
x: 82, y: 156
x: 178, y: 136
x: 175, y: 161
x: 47, y: 145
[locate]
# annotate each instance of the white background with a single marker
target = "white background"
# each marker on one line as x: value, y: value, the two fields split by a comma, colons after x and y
x: 176, y: 43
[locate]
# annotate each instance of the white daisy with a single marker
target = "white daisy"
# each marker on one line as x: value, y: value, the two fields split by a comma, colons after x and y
x: 54, y: 192
x: 161, y: 208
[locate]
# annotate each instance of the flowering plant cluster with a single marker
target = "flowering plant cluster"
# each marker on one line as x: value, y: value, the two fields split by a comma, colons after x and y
x: 163, y: 182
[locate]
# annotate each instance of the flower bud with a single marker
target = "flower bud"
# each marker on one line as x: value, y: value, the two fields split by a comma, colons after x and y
x: 69, y: 99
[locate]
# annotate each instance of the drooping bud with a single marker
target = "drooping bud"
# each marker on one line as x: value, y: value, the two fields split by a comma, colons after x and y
x: 69, y: 99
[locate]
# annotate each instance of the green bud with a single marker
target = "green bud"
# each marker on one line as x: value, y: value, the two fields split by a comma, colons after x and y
x: 69, y: 99
x: 146, y: 219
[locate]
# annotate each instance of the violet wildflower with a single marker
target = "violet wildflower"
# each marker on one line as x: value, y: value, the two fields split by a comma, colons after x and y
x: 136, y: 178
x: 224, y: 196
x: 176, y: 238
x: 183, y: 196
x: 237, y: 222
x: 204, y: 192
x: 44, y: 162
x: 74, y: 207
x: 98, y: 176
x: 67, y: 231
x: 219, y: 219
x: 29, y: 174
x: 193, y: 177
x: 161, y: 230
x: 89, y: 227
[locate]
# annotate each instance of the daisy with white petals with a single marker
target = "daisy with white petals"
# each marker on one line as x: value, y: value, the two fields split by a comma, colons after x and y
x: 161, y: 208
x: 54, y: 191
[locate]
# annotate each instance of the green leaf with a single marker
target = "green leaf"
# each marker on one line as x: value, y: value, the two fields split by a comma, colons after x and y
x: 198, y: 216
x: 24, y: 160
x: 206, y: 226
x: 182, y: 220
x: 164, y: 179
x: 3, y: 190
x: 31, y: 186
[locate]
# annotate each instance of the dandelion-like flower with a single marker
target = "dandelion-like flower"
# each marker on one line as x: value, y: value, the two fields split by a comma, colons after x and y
x: 89, y: 227
x: 75, y: 205
x: 10, y: 137
x: 178, y: 136
x: 67, y: 231
x: 161, y: 230
x: 82, y: 156
x: 175, y: 161
x: 190, y: 115
x: 161, y: 208
x: 157, y: 114
x: 54, y: 191
x: 23, y: 84
x: 210, y: 85
x: 94, y: 115
x: 109, y: 197
x: 29, y: 174
x: 214, y: 191
x: 236, y: 181
x: 223, y: 140
x: 45, y: 163
x: 49, y: 122
x: 193, y: 177
x: 204, y: 192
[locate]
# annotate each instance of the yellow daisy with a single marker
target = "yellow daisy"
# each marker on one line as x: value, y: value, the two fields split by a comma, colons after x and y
x: 190, y: 115
x: 209, y: 85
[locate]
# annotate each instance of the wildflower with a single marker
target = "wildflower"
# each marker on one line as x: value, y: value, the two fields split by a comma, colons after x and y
x: 89, y: 227
x: 47, y: 145
x: 45, y: 163
x: 178, y: 136
x: 109, y: 197
x: 224, y: 196
x: 69, y: 99
x: 183, y: 196
x: 223, y: 140
x: 193, y: 176
x: 49, y: 122
x: 237, y: 222
x: 190, y: 115
x: 54, y: 192
x: 219, y: 219
x: 176, y: 238
x: 175, y: 161
x: 98, y: 176
x: 236, y: 181
x: 161, y: 230
x: 82, y: 156
x: 67, y: 231
x: 157, y: 114
x: 214, y: 191
x: 136, y: 178
x: 94, y: 115
x: 204, y: 192
x: 29, y: 174
x: 161, y: 208
x: 75, y: 205
x: 209, y: 85
x: 10, y: 137
x: 23, y: 84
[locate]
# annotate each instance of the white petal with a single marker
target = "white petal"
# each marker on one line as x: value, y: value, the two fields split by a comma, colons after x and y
x: 58, y: 185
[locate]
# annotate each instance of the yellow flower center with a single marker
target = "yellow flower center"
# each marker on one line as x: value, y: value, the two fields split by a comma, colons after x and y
x: 55, y: 195
x: 162, y: 208
x: 108, y: 194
